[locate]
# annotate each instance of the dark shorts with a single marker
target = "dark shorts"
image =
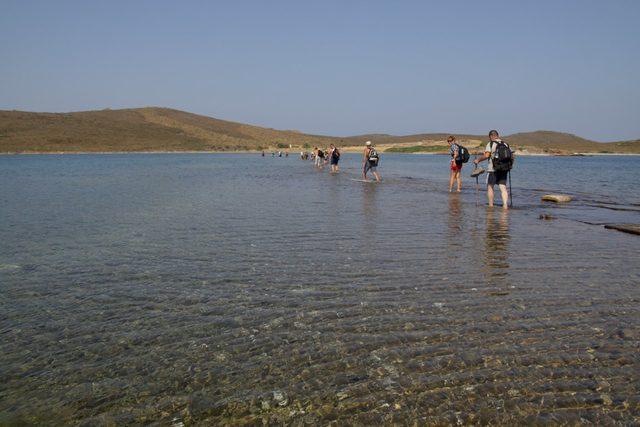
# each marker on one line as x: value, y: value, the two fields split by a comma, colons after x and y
x: 335, y: 160
x: 499, y: 178
x: 368, y: 166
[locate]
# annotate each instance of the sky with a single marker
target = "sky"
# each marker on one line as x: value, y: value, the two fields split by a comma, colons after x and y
x: 335, y: 67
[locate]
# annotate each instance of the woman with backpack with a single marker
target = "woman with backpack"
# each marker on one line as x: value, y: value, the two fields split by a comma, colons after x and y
x: 500, y: 159
x: 319, y: 157
x: 455, y: 165
x: 334, y: 155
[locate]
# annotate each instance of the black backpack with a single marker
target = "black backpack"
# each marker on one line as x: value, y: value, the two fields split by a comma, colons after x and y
x: 373, y: 156
x: 335, y: 154
x: 502, y: 157
x: 463, y: 155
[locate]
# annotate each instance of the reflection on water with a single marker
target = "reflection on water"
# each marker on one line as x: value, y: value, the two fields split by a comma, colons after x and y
x: 369, y: 193
x: 455, y: 221
x: 497, y: 247
x: 240, y: 290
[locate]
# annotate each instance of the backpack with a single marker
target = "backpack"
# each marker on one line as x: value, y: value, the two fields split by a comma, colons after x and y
x: 463, y: 155
x: 373, y: 156
x: 335, y: 154
x: 502, y: 157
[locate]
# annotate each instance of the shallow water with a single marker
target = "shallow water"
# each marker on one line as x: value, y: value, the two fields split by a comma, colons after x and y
x: 235, y: 289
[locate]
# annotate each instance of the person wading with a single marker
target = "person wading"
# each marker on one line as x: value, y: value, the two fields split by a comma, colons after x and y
x: 370, y: 159
x: 334, y: 155
x: 455, y: 165
x: 319, y: 157
x: 500, y: 159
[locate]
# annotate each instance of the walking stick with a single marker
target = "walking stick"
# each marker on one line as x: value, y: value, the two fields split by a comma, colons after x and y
x: 477, y: 190
x: 510, y: 193
x: 477, y: 171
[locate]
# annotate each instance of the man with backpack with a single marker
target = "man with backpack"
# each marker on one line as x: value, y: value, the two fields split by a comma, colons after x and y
x: 334, y: 155
x: 370, y: 159
x: 500, y: 159
x: 459, y: 155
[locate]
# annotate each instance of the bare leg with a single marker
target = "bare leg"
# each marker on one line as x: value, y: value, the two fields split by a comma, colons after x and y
x: 451, y: 178
x: 377, y: 176
x: 505, y: 196
x: 459, y: 180
x: 490, y: 194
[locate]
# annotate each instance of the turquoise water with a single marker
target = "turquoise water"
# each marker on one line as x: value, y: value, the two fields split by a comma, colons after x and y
x: 234, y: 289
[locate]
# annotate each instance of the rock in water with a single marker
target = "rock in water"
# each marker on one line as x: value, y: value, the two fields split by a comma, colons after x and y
x: 558, y: 198
x: 280, y: 398
x: 626, y: 228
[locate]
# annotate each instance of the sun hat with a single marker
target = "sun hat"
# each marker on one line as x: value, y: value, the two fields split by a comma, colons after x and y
x: 367, y: 143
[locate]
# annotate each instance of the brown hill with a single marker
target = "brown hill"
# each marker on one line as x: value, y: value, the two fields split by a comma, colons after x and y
x: 163, y: 129
x: 142, y: 129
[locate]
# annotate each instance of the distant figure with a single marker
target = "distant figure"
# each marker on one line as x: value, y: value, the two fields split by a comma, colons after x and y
x: 500, y: 159
x: 273, y: 154
x: 262, y: 153
x: 279, y: 153
x: 370, y: 159
x: 286, y: 154
x: 455, y: 163
x: 334, y: 155
x: 319, y: 158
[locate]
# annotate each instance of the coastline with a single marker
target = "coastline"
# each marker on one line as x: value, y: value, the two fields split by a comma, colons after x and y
x: 292, y: 152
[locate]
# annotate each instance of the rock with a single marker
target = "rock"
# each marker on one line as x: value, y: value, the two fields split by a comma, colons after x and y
x: 546, y: 217
x: 606, y: 399
x: 280, y: 397
x: 625, y: 228
x: 342, y: 395
x: 629, y: 334
x: 558, y: 198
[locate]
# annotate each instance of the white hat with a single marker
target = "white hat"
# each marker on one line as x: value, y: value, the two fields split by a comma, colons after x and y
x: 367, y: 143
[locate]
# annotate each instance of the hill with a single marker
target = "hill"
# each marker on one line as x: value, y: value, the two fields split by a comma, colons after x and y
x: 142, y: 129
x: 164, y: 129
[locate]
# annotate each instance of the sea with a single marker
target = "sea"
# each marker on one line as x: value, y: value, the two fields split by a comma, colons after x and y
x: 236, y: 289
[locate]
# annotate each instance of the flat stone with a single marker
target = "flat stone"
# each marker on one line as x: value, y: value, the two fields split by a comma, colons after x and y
x: 558, y: 198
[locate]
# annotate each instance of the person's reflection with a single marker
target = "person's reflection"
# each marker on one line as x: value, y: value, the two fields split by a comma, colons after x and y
x: 369, y: 211
x: 455, y: 222
x: 496, y: 250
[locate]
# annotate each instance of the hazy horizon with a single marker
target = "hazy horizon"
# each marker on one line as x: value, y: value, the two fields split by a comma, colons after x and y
x: 335, y: 69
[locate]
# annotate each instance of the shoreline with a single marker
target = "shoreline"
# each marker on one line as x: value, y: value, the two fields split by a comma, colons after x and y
x: 348, y: 149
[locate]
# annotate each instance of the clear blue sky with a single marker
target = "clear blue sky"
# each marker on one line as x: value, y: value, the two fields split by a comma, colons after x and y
x: 335, y: 67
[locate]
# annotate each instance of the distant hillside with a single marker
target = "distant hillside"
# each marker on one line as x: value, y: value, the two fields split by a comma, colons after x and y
x: 142, y: 129
x: 164, y: 129
x: 550, y: 141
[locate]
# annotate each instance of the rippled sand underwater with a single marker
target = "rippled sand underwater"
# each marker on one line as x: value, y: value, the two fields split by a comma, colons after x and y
x: 233, y: 290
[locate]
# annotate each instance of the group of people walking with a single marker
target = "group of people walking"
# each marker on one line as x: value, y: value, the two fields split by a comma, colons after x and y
x: 497, y: 152
x: 370, y: 159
